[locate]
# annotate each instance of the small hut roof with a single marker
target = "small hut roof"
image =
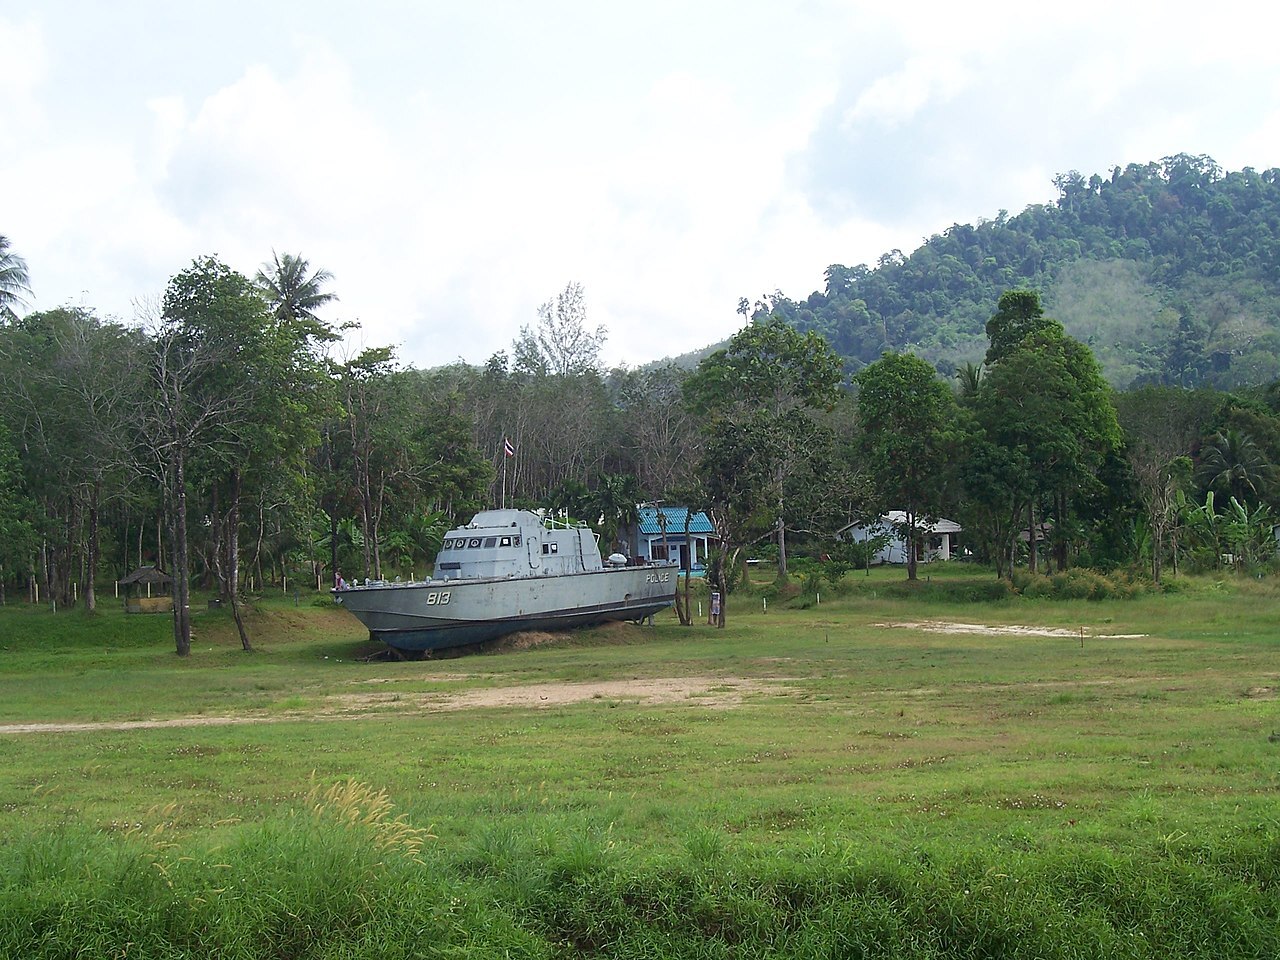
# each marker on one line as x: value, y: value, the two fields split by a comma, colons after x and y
x: 147, y: 574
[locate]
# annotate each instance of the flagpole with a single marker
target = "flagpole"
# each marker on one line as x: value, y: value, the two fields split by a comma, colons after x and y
x: 504, y: 474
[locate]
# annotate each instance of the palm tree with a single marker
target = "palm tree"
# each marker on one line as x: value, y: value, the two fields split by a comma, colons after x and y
x: 969, y: 380
x: 615, y: 498
x: 1233, y: 463
x: 14, y: 281
x: 295, y: 295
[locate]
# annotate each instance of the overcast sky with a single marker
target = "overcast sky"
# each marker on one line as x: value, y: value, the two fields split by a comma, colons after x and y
x: 456, y: 164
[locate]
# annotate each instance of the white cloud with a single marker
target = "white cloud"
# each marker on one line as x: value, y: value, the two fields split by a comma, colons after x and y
x: 22, y: 52
x: 899, y: 97
x: 456, y: 167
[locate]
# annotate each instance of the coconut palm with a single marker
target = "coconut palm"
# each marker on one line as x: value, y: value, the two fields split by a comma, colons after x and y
x: 14, y: 281
x: 969, y: 380
x: 294, y: 292
x: 1234, y: 463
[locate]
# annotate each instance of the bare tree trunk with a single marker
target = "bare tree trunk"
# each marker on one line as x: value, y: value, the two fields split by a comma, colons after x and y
x: 181, y: 559
x: 42, y: 571
x: 1060, y: 534
x: 240, y: 629
x: 223, y: 556
x: 257, y: 547
x: 333, y: 541
x: 684, y: 610
x: 217, y: 525
x: 232, y: 533
x: 1030, y: 520
x: 1157, y: 544
x: 909, y: 541
x: 91, y: 558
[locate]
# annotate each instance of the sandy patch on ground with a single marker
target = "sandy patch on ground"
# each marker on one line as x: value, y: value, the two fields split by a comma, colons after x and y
x: 716, y: 692
x: 707, y: 691
x: 987, y: 630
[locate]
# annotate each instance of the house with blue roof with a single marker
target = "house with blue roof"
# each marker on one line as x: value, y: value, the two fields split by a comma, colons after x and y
x: 646, y: 540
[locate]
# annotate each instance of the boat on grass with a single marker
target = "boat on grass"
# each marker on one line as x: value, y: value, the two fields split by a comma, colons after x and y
x: 507, y: 571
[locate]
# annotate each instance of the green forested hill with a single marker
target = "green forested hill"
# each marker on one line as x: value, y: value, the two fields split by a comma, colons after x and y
x: 1170, y: 271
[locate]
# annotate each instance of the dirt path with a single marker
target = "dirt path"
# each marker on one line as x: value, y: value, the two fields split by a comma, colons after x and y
x: 715, y: 692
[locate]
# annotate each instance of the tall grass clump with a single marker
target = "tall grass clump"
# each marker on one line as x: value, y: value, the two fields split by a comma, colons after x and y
x: 715, y: 901
x: 340, y: 877
x: 306, y: 885
x: 963, y: 591
x: 1080, y: 583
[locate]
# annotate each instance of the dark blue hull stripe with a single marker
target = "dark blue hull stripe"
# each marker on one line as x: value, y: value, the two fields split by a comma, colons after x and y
x: 461, y: 633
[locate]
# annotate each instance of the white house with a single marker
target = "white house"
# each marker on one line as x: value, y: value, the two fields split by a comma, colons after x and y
x: 938, y: 539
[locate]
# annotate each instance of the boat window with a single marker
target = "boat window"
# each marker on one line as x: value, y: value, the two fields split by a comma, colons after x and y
x: 517, y: 541
x: 473, y: 542
x: 490, y: 541
x: 504, y: 542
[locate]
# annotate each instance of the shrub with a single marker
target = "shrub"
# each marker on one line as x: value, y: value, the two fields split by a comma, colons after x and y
x: 1079, y: 583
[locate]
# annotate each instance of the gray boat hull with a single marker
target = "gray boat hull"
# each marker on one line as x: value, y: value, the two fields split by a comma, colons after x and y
x: 436, y: 614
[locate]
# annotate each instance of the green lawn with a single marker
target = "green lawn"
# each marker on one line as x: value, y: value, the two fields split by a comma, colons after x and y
x: 822, y: 745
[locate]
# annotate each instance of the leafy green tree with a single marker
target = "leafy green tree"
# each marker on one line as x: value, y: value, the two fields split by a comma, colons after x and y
x: 396, y: 452
x: 186, y: 410
x: 17, y: 533
x: 1161, y: 427
x: 240, y: 394
x: 1018, y: 315
x: 72, y: 386
x: 905, y: 412
x: 994, y: 481
x: 657, y: 428
x: 561, y: 345
x: 14, y: 280
x: 1045, y: 398
x: 758, y: 399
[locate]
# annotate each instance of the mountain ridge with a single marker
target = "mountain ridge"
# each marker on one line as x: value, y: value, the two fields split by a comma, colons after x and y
x: 1169, y: 270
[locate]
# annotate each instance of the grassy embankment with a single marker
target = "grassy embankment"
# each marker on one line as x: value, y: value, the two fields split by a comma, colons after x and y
x: 815, y: 782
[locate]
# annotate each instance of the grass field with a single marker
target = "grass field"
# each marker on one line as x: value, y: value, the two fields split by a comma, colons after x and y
x: 844, y: 778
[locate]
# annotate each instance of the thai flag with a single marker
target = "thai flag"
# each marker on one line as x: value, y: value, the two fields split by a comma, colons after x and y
x: 507, y: 448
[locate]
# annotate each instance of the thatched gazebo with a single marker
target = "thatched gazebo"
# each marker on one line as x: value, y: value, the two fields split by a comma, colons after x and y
x: 146, y: 590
